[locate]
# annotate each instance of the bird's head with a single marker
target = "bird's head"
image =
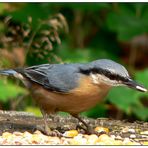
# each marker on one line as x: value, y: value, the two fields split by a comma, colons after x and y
x: 110, y: 73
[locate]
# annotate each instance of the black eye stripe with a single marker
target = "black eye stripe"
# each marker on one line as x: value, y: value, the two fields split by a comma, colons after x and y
x: 106, y: 73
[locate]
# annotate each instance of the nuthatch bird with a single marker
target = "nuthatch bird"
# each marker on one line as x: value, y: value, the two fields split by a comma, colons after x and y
x: 72, y: 88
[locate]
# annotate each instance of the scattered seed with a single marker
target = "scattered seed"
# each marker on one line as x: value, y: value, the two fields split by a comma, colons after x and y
x: 144, y: 132
x: 131, y: 131
x: 71, y: 133
x: 132, y: 136
x: 102, y: 129
x: 92, y: 139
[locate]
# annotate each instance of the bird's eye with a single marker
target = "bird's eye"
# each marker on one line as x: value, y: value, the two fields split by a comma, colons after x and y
x: 113, y: 77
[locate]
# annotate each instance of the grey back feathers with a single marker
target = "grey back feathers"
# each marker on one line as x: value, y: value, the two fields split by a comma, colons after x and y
x: 62, y: 77
x: 55, y: 77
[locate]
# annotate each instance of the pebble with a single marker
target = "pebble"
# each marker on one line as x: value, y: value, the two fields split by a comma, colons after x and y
x: 92, y: 139
x: 27, y: 135
x: 104, y: 137
x: 113, y: 136
x: 7, y: 135
x: 126, y: 140
x: 54, y: 140
x: 119, y: 137
x: 17, y: 133
x: 144, y: 136
x: 37, y: 138
x: 132, y: 136
x: 132, y: 131
x: 78, y: 140
x: 37, y: 132
x: 125, y: 130
x: 65, y: 141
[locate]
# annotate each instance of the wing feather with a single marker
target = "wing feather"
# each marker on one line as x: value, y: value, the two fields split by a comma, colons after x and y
x: 52, y: 76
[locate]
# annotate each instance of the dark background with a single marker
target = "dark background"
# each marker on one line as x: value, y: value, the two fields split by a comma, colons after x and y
x: 36, y: 33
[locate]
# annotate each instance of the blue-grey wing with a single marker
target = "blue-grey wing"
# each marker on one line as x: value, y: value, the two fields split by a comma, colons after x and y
x: 54, y: 77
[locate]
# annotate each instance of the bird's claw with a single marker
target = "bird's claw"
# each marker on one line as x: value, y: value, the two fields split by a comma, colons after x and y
x: 55, y: 133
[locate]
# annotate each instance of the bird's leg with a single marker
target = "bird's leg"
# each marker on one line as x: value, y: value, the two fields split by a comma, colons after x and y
x: 88, y: 129
x: 47, y: 129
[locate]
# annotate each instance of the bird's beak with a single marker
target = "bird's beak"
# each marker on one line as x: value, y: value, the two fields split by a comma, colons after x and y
x: 134, y: 85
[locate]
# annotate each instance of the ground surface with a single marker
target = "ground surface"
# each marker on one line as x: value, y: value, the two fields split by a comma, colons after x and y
x: 19, y: 128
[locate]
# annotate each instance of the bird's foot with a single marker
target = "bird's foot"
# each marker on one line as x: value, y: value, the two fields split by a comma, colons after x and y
x: 47, y: 131
x: 89, y: 130
x: 55, y: 133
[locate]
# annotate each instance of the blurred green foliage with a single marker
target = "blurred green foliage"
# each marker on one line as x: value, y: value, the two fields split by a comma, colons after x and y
x: 8, y: 90
x: 34, y: 110
x: 128, y: 20
x: 96, y: 30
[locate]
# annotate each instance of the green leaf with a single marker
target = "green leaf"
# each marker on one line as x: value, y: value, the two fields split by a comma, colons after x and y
x: 141, y: 112
x: 74, y: 55
x: 9, y: 90
x: 128, y: 100
x: 123, y: 98
x: 99, y: 110
x: 128, y: 21
x: 87, y: 6
x: 142, y: 77
x: 34, y: 10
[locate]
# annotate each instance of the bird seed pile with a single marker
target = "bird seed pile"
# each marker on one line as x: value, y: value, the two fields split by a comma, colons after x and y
x: 21, y: 128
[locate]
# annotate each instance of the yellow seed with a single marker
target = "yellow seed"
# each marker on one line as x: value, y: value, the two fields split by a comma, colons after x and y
x: 35, y: 138
x: 101, y: 129
x: 145, y: 143
x: 7, y: 135
x: 71, y: 133
x: 74, y: 142
x: 144, y: 132
x: 104, y: 137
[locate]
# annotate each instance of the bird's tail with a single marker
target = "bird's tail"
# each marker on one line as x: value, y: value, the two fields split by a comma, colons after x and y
x: 8, y: 72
